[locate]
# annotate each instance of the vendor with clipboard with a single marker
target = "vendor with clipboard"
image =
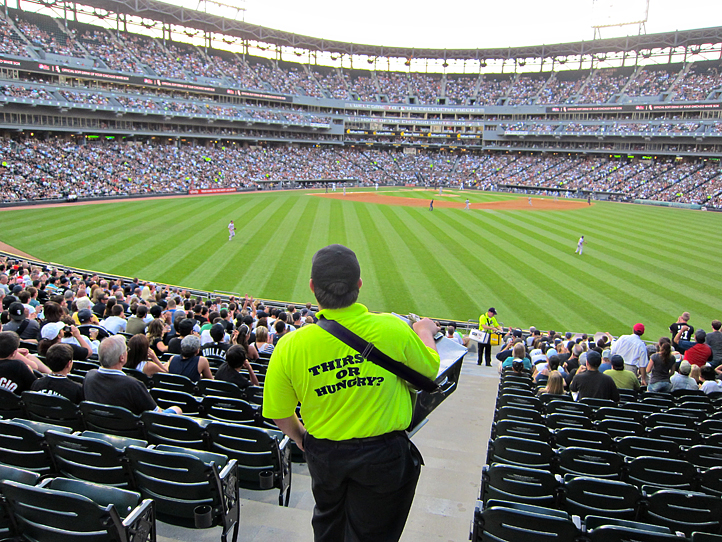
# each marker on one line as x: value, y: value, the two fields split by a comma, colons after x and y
x: 487, y: 325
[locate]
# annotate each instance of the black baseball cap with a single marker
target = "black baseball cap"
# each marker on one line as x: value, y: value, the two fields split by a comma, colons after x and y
x: 336, y: 268
x: 16, y: 311
x: 492, y: 309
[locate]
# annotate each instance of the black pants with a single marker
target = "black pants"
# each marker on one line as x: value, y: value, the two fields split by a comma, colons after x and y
x: 363, y: 488
x: 485, y: 352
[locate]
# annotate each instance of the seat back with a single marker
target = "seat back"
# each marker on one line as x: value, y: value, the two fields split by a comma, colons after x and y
x: 180, y: 480
x: 660, y: 472
x: 558, y: 420
x: 219, y: 388
x: 684, y: 511
x: 516, y: 428
x: 166, y: 398
x: 711, y: 481
x: 257, y: 451
x: 620, y: 428
x: 89, y: 459
x: 10, y: 406
x: 23, y: 447
x: 586, y: 438
x: 503, y: 523
x: 519, y: 484
x: 608, y: 498
x: 598, y: 403
x: 254, y: 394
x: 668, y: 420
x: 47, y: 514
x: 520, y: 452
x: 22, y: 476
x: 521, y: 414
x: 111, y: 419
x: 590, y: 462
x: 226, y: 409
x: 680, y: 435
x: 53, y: 409
x: 521, y: 401
x: 634, y: 446
x: 704, y: 456
x: 162, y: 428
x: 616, y: 413
x: 568, y: 407
x: 169, y: 381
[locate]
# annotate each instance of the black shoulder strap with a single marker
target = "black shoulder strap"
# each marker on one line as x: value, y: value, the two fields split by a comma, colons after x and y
x: 374, y: 355
x: 23, y: 326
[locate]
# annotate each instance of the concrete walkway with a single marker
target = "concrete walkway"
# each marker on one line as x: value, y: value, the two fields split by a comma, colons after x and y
x: 453, y: 444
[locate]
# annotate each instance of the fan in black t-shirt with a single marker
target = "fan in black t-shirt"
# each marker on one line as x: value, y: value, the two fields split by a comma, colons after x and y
x: 15, y: 375
x: 59, y: 359
x: 235, y: 361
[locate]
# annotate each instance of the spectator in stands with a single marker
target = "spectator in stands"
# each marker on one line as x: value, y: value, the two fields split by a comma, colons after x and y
x: 189, y: 363
x: 571, y: 366
x: 634, y: 351
x: 100, y: 305
x: 454, y: 335
x: 714, y: 341
x: 85, y: 317
x: 136, y: 323
x: 555, y: 384
x: 185, y: 329
x: 262, y: 344
x: 217, y: 346
x: 15, y: 374
x: 235, y: 362
x: 518, y: 354
x: 661, y: 367
x: 708, y: 380
x: 590, y: 382
x: 700, y: 353
x: 110, y: 385
x: 681, y: 380
x: 623, y: 378
x: 25, y: 327
x: 59, y: 359
x: 680, y: 334
x: 240, y: 336
x: 550, y: 366
x: 54, y: 332
x: 156, y: 329
x: 116, y: 322
x: 142, y: 357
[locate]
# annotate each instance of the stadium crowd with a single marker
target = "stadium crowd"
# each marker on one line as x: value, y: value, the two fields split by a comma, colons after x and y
x: 132, y: 53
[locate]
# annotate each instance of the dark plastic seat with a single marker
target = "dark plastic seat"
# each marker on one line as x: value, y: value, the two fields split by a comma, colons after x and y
x: 102, y: 332
x: 697, y: 414
x: 583, y: 496
x: 658, y: 402
x: 111, y: 419
x: 634, y: 446
x: 515, y: 428
x: 616, y: 533
x: 627, y: 396
x: 513, y: 522
x: 684, y: 511
x: 259, y: 453
x: 219, y: 388
x: 715, y: 439
x: 661, y: 473
x: 166, y: 398
x: 586, y: 438
x: 179, y: 480
x: 569, y: 407
x: 638, y: 406
x: 614, y: 413
x: 590, y: 462
x: 71, y: 511
x: 560, y: 420
x: 254, y: 395
x: 86, y: 457
x: 668, y: 420
x: 519, y: 484
x: 704, y: 456
x: 82, y: 367
x: 710, y: 481
x: 520, y: 452
x: 680, y: 435
x: 226, y: 409
x: 520, y: 414
x: 597, y: 403
x: 23, y: 445
x: 10, y: 406
x: 139, y: 375
x: 175, y: 430
x: 22, y: 476
x: 174, y: 382
x: 680, y: 396
x: 620, y: 428
x: 520, y: 401
x: 53, y: 409
x: 549, y: 397
x: 709, y: 427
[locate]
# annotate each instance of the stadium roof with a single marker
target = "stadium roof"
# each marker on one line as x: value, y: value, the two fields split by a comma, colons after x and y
x: 178, y: 15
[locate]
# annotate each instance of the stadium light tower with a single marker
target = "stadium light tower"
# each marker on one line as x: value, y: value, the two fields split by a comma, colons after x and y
x: 619, y: 13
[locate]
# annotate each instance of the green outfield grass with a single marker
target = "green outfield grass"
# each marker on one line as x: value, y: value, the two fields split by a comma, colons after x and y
x: 640, y: 263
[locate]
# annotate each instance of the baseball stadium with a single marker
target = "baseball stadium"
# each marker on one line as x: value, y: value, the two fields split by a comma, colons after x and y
x: 554, y: 211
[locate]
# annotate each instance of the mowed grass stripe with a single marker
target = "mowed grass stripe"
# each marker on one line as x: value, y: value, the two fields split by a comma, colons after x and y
x: 394, y: 289
x: 533, y: 300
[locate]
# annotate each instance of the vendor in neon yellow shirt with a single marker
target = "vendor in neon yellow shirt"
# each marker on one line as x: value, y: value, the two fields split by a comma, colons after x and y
x: 350, y: 405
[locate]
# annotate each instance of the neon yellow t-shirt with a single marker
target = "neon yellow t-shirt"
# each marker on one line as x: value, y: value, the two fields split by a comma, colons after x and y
x: 484, y: 320
x: 343, y: 396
